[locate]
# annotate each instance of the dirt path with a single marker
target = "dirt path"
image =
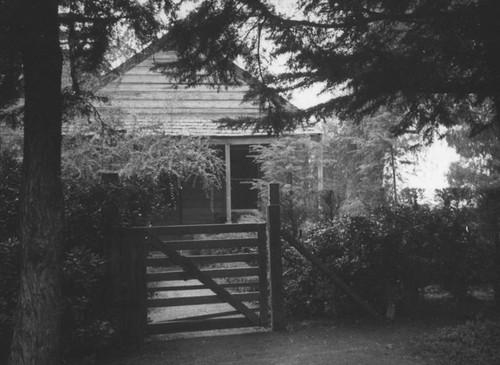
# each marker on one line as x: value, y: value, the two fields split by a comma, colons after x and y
x: 308, y: 343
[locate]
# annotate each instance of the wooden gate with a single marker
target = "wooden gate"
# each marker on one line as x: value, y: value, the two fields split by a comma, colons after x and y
x: 216, y: 264
x: 167, y: 269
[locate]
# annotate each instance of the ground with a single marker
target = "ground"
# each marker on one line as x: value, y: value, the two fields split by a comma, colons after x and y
x: 306, y: 342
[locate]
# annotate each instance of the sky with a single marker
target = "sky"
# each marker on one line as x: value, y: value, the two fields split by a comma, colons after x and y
x: 430, y: 172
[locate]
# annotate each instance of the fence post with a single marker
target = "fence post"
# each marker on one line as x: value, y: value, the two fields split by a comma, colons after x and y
x: 126, y: 254
x: 131, y: 252
x: 110, y: 223
x: 275, y: 264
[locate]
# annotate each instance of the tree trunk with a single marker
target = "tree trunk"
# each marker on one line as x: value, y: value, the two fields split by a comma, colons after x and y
x: 37, y: 328
x: 496, y: 284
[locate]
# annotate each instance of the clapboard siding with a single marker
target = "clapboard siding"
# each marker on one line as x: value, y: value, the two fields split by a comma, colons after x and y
x: 157, y: 106
x: 174, y: 94
x: 143, y: 97
x: 150, y: 78
x: 165, y: 86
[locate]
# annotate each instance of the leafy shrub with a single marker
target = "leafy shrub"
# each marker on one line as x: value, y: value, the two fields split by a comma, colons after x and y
x: 390, y: 255
x: 86, y: 326
x: 352, y: 246
x: 475, y: 342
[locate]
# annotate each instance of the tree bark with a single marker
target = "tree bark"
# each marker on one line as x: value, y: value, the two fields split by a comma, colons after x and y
x: 37, y: 328
x: 496, y: 284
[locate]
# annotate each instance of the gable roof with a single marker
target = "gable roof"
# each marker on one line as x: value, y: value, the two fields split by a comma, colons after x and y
x: 143, y: 98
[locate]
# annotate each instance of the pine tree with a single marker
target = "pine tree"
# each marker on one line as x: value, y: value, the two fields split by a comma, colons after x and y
x: 430, y: 62
x: 30, y: 67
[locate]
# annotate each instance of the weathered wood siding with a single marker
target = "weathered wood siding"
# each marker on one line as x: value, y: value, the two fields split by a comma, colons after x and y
x: 144, y: 98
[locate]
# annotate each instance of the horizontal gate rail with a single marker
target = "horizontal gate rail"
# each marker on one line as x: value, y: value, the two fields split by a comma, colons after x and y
x: 212, y: 273
x: 196, y: 325
x: 207, y: 244
x: 198, y: 287
x: 205, y: 299
x: 201, y: 228
x: 214, y: 315
x: 204, y: 259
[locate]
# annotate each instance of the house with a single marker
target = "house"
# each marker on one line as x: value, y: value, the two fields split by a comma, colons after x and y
x: 141, y: 97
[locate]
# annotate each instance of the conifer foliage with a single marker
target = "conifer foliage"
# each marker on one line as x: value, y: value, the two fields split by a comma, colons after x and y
x: 433, y: 62
x: 30, y: 68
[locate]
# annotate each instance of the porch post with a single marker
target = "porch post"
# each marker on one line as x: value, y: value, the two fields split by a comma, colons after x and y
x: 275, y: 264
x: 320, y: 168
x: 228, y: 182
x: 110, y: 223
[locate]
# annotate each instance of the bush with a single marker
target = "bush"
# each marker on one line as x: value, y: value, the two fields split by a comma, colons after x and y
x: 352, y: 246
x: 389, y: 256
x: 86, y: 324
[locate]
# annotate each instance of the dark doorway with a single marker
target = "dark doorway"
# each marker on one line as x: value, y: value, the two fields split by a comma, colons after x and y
x: 244, y: 171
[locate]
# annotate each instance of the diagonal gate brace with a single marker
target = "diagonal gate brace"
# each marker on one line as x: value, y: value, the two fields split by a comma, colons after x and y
x: 188, y: 266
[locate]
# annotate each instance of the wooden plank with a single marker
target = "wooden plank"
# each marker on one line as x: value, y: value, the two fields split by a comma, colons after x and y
x: 179, y: 107
x: 168, y: 86
x: 204, y: 259
x: 198, y: 300
x: 202, y: 95
x: 193, y: 103
x: 151, y: 79
x: 159, y: 69
x: 211, y: 244
x: 208, y: 281
x: 212, y: 273
x: 190, y: 326
x: 184, y: 120
x: 213, y: 315
x: 246, y: 284
x: 201, y: 228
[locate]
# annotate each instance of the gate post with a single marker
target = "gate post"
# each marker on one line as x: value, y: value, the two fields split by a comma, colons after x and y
x: 126, y: 253
x: 275, y: 264
x: 129, y: 286
x: 110, y: 223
